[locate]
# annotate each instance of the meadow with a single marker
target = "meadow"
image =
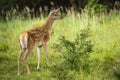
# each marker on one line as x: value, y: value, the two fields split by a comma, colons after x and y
x: 104, y: 58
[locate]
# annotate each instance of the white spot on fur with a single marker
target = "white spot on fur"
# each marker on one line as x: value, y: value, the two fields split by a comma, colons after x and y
x: 23, y: 41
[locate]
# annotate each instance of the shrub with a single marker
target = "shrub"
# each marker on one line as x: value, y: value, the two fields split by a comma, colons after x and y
x: 117, y: 71
x: 75, y: 54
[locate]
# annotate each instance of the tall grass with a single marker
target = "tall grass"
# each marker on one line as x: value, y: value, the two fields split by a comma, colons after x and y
x: 104, y: 58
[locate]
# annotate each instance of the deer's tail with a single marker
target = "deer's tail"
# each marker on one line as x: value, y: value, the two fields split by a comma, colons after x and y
x: 23, y: 39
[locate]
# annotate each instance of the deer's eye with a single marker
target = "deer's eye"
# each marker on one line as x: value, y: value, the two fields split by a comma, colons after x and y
x: 55, y: 14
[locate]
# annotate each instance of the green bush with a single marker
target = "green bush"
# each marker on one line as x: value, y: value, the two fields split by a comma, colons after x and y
x: 75, y: 54
x: 117, y: 71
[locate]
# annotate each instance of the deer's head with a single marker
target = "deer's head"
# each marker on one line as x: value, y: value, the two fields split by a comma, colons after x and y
x: 56, y: 14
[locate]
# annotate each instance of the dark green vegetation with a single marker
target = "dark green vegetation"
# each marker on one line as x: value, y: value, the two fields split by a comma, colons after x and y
x: 10, y: 8
x: 76, y: 56
x: 82, y: 47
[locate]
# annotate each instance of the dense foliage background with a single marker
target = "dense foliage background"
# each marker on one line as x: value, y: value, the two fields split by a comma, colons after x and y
x: 10, y: 8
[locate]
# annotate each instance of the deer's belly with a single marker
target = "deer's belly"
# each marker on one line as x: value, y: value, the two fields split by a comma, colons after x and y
x: 39, y: 43
x: 46, y: 38
x: 42, y: 39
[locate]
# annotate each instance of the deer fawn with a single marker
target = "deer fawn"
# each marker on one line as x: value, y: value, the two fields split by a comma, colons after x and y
x: 38, y: 36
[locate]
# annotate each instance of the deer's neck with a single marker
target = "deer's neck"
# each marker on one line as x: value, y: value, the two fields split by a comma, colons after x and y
x: 48, y: 23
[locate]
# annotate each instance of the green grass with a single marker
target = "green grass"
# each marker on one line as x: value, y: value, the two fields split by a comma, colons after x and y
x: 105, y: 55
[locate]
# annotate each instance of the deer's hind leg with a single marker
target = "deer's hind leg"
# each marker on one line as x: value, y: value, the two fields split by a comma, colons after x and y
x: 29, y: 50
x: 26, y: 60
x: 22, y: 51
x: 23, y: 40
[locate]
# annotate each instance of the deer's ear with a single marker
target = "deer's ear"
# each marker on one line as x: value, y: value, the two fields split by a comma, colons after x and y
x: 57, y: 10
x: 52, y: 9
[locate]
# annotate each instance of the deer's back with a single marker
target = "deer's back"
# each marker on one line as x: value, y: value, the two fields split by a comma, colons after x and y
x: 39, y: 34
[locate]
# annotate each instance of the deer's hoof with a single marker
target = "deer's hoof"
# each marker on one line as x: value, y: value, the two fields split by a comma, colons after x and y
x: 38, y: 69
x: 18, y: 74
x: 28, y: 72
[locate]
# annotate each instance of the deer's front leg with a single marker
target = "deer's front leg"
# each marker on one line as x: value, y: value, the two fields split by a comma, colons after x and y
x: 46, y: 52
x: 39, y: 55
